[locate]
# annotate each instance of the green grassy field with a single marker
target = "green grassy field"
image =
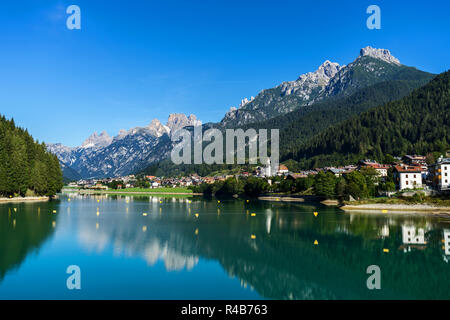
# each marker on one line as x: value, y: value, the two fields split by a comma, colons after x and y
x: 156, y: 190
x: 178, y: 190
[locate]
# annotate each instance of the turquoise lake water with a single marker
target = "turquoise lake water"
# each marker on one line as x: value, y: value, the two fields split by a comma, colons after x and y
x: 192, y: 248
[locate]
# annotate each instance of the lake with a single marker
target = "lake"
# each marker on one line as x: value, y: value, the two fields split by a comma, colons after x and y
x: 192, y: 248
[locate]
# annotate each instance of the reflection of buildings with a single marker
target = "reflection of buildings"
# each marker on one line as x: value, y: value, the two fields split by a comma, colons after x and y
x: 446, y: 245
x: 413, y: 235
x: 384, y: 232
x: 268, y: 220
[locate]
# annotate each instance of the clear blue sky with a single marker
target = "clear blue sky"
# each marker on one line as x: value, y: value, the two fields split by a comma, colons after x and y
x: 133, y: 61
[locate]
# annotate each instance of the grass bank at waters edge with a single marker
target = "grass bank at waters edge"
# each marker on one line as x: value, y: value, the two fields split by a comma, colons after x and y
x: 24, y: 199
x: 139, y: 191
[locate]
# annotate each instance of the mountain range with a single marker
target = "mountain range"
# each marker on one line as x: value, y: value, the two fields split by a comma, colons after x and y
x: 300, y: 109
x: 103, y: 156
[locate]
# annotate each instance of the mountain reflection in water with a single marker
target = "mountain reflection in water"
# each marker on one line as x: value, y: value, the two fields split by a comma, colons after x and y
x: 269, y: 247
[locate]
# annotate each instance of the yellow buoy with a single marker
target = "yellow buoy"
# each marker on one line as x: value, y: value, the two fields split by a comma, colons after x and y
x: 98, y: 213
x: 68, y: 199
x: 385, y: 250
x: 253, y: 214
x: 196, y: 215
x: 253, y: 236
x: 54, y: 211
x: 144, y: 214
x: 98, y: 200
x: 144, y: 228
x: 248, y: 201
x: 384, y: 211
x: 315, y: 214
x: 316, y: 242
x: 15, y: 209
x: 218, y: 201
x: 196, y: 231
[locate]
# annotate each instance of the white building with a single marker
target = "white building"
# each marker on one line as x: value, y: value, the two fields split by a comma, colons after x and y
x: 408, y: 177
x: 440, y: 174
x: 155, y: 184
x: 282, y: 170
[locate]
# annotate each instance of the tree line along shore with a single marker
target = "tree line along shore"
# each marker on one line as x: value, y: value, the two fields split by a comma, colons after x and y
x: 27, y: 169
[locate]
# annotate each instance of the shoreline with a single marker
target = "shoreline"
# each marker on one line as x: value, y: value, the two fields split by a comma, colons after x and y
x: 386, y: 207
x: 280, y: 199
x: 25, y: 199
x: 138, y: 193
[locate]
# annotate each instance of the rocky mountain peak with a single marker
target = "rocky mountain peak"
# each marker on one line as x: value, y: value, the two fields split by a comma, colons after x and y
x: 382, y: 54
x: 157, y: 128
x: 328, y: 68
x: 97, y: 140
x: 177, y: 121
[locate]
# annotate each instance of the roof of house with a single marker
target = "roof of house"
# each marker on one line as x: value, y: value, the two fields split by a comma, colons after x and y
x: 406, y: 169
x: 414, y: 157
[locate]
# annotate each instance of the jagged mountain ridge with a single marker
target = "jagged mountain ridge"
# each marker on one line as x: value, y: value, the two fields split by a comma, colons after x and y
x: 329, y: 80
x: 129, y: 151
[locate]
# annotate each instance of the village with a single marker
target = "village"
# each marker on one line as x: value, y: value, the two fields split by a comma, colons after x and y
x: 410, y: 172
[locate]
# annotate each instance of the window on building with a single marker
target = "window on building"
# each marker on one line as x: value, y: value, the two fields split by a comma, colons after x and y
x: 407, y: 182
x: 406, y: 176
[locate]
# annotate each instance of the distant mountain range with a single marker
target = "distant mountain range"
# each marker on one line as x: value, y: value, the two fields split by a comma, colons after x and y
x: 103, y: 156
x: 329, y: 95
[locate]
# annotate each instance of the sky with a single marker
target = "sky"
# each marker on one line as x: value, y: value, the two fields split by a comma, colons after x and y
x: 133, y: 61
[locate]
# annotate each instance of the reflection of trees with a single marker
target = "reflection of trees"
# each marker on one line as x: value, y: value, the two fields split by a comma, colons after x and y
x: 282, y: 261
x: 23, y: 231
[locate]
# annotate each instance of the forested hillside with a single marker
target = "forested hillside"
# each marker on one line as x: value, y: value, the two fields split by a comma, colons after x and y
x: 26, y: 168
x: 418, y: 123
x: 302, y: 124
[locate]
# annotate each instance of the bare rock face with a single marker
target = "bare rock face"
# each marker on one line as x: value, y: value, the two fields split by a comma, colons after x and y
x: 157, y: 128
x: 382, y: 54
x: 177, y: 121
x: 310, y: 82
x: 97, y: 141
